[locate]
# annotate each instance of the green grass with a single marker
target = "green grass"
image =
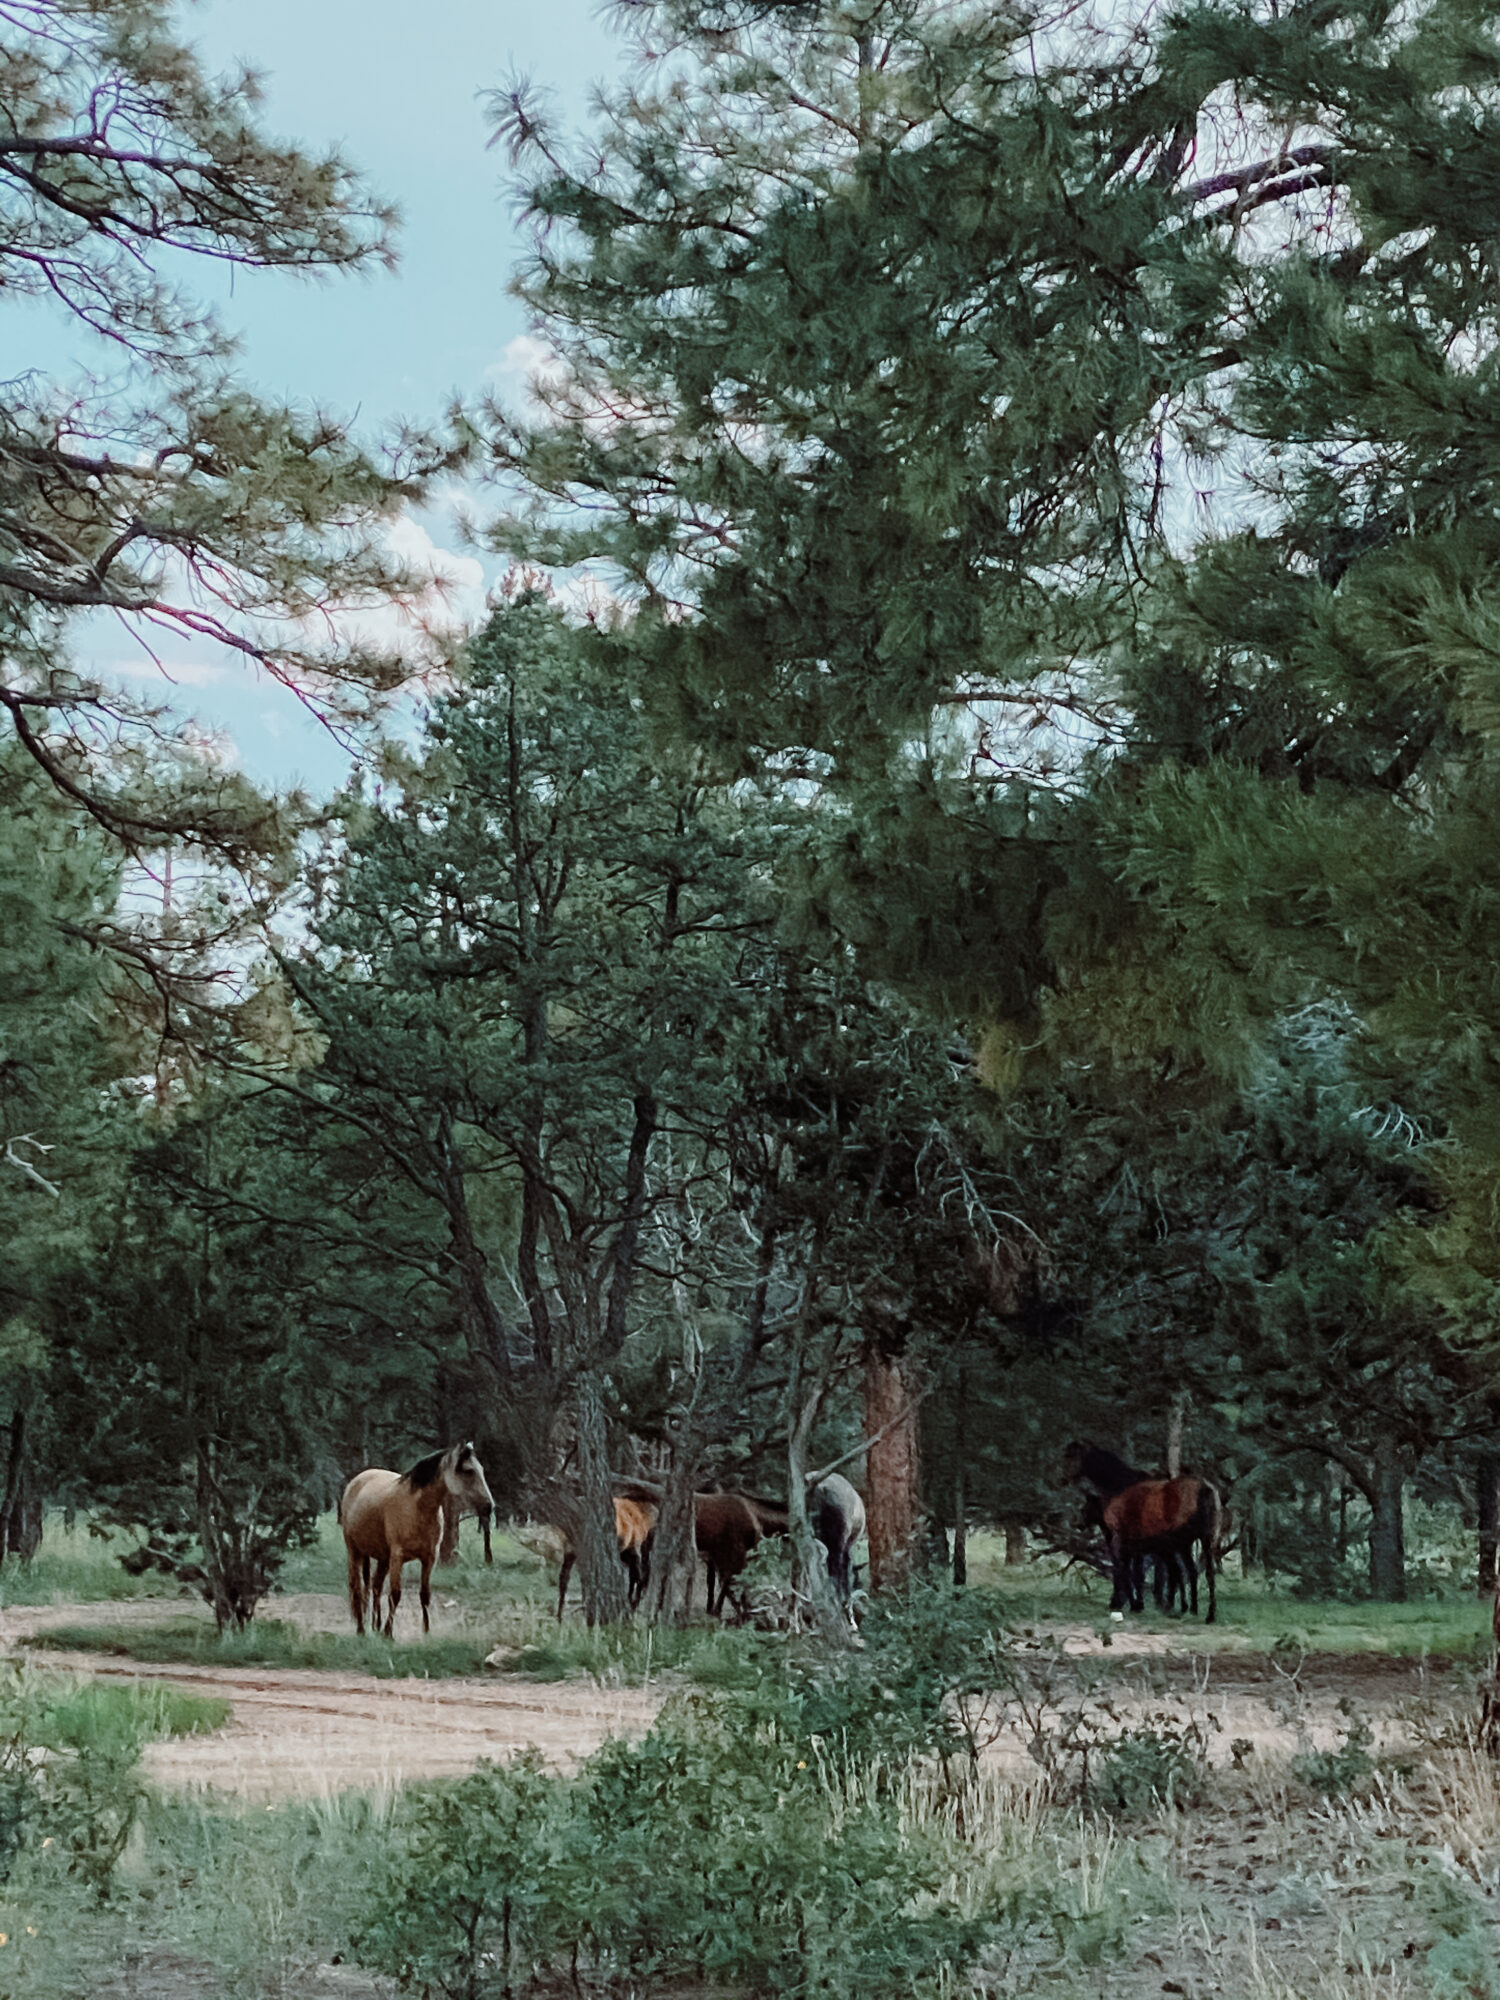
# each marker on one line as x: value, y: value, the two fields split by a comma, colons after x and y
x: 270, y: 1643
x: 94, y: 1715
x: 1252, y: 1617
x: 78, y: 1565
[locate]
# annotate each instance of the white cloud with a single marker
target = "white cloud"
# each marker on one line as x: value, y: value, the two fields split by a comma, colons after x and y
x: 184, y: 673
x: 529, y: 365
x: 449, y: 599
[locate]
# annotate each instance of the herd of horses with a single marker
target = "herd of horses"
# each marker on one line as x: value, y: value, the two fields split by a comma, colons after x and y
x: 727, y: 1529
x: 392, y: 1518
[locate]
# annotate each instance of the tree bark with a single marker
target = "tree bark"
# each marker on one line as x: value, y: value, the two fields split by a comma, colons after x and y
x: 13, y: 1466
x: 812, y: 1558
x: 1487, y: 1493
x: 1387, y: 1532
x: 893, y: 1477
x: 1015, y: 1544
x: 1174, y: 1436
x: 600, y: 1572
x: 960, y: 1527
x: 484, y: 1330
x: 674, y: 1547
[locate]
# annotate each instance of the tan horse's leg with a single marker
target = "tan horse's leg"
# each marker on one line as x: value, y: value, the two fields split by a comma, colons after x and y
x: 378, y: 1586
x: 562, y: 1583
x: 359, y: 1577
x: 424, y: 1590
x: 398, y: 1557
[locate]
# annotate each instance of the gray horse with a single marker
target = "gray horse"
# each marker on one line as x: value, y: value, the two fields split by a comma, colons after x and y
x: 837, y: 1515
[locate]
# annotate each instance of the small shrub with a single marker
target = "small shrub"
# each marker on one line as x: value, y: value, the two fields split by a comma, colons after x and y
x: 1340, y: 1770
x: 724, y: 1849
x: 69, y: 1754
x: 1152, y: 1768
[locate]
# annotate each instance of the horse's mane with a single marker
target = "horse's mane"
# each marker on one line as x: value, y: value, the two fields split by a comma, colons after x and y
x: 1103, y: 1468
x: 425, y: 1470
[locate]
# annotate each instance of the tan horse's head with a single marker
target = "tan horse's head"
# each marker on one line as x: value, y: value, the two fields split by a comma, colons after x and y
x: 463, y: 1476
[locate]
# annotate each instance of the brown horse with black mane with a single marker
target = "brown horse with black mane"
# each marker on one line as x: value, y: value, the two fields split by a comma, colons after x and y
x: 393, y: 1518
x: 1145, y: 1516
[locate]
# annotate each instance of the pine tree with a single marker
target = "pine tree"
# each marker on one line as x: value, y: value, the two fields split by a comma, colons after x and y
x: 161, y: 490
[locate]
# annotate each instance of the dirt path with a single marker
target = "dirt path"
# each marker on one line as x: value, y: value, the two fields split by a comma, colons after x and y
x: 300, y: 1733
x: 295, y: 1733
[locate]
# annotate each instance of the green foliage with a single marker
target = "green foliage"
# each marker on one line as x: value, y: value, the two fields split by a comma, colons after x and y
x: 68, y: 1756
x: 1343, y: 1769
x: 1155, y: 1767
x: 722, y: 1848
x: 133, y: 161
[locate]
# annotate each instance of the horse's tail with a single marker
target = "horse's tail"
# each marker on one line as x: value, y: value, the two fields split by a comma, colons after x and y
x: 1210, y: 1517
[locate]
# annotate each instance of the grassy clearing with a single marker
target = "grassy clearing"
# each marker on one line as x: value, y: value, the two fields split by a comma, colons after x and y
x: 269, y: 1643
x: 509, y: 1606
x: 78, y: 1565
x: 93, y: 1715
x: 1252, y: 1618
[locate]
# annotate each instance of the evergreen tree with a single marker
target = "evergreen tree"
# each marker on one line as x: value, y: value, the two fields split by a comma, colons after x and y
x: 161, y: 490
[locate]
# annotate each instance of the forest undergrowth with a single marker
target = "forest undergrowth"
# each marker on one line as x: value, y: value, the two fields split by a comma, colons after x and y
x: 958, y: 1808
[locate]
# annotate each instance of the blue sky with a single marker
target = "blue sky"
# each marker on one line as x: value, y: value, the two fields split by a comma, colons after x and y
x: 397, y: 87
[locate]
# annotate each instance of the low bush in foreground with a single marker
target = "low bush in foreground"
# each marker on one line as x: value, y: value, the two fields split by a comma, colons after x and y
x: 69, y: 1752
x: 719, y: 1850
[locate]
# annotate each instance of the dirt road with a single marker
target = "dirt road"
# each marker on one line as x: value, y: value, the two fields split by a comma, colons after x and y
x: 299, y: 1734
x: 304, y: 1733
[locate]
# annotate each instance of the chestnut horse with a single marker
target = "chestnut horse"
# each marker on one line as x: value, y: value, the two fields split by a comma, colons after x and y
x: 1164, y: 1517
x: 1105, y: 1475
x: 393, y: 1518
x: 635, y: 1524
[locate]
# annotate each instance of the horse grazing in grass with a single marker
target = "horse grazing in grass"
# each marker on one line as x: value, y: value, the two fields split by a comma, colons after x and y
x: 838, y: 1520
x: 393, y: 1518
x: 1164, y: 1517
x: 1106, y: 1475
x: 727, y: 1528
x: 635, y: 1526
x: 836, y: 1515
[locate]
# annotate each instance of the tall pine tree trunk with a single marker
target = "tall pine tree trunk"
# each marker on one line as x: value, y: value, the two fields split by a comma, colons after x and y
x: 14, y: 1463
x: 893, y: 1485
x: 1487, y: 1494
x: 1387, y: 1532
x: 601, y: 1574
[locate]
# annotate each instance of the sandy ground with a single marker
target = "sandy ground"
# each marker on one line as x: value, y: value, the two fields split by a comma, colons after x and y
x: 299, y: 1733
x: 304, y: 1733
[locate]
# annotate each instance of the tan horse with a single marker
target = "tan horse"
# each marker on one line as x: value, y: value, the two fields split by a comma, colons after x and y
x: 635, y: 1524
x: 393, y: 1518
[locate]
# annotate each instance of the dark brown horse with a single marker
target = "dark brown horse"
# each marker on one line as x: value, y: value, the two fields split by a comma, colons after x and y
x: 635, y: 1525
x: 1164, y: 1517
x: 727, y: 1528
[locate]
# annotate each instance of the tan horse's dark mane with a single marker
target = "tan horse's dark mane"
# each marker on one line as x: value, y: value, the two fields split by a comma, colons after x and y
x: 425, y: 1470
